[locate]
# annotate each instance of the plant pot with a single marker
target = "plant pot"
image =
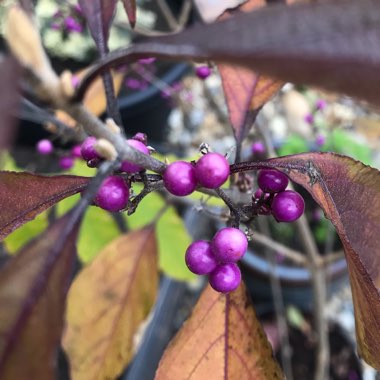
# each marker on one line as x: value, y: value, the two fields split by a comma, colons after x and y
x: 296, y: 284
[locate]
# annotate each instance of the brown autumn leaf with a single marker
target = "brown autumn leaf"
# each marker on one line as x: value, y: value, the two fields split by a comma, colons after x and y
x: 244, y: 89
x: 106, y: 304
x: 221, y: 340
x: 33, y: 287
x: 24, y: 195
x: 349, y: 193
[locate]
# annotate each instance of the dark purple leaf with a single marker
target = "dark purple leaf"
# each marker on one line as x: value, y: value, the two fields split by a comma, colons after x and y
x: 25, y: 195
x: 9, y: 100
x: 33, y: 287
x: 331, y: 44
x: 349, y: 193
x: 130, y: 8
x: 99, y: 14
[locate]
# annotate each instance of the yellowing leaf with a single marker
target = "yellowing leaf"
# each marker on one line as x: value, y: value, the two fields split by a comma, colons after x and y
x: 221, y: 340
x: 106, y: 304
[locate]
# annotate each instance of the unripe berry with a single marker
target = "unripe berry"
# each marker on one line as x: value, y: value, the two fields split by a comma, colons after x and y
x: 203, y: 72
x: 229, y: 245
x: 66, y: 162
x: 225, y: 278
x: 180, y: 179
x: 44, y: 147
x: 212, y: 170
x: 113, y: 194
x: 88, y: 149
x: 287, y: 206
x: 130, y: 167
x: 272, y: 181
x: 199, y: 257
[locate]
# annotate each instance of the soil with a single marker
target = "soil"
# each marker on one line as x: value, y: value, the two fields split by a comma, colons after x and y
x: 344, y: 364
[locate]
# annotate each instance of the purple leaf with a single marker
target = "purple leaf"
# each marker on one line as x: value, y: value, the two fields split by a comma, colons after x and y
x: 130, y: 8
x: 9, y: 101
x: 25, y: 195
x: 99, y: 14
x: 331, y: 44
x: 33, y: 287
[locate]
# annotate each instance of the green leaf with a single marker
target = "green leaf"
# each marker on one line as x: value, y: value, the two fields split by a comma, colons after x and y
x: 97, y: 230
x: 22, y: 235
x: 173, y: 239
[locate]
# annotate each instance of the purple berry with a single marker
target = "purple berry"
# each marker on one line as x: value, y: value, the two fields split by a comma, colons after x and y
x: 320, y: 140
x: 66, y: 162
x: 94, y: 163
x: 259, y: 193
x: 76, y: 151
x: 212, y: 170
x: 75, y: 80
x: 229, y: 245
x: 225, y: 278
x: 45, y: 147
x: 113, y: 194
x: 258, y: 148
x: 199, y: 257
x: 180, y: 178
x: 130, y: 167
x: 147, y: 61
x: 88, y: 149
x: 142, y: 137
x: 309, y: 118
x: 287, y: 206
x: 72, y: 25
x: 203, y: 72
x: 272, y: 181
x: 321, y: 104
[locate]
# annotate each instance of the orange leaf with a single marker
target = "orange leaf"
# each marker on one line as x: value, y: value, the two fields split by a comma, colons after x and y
x: 33, y: 288
x: 95, y: 98
x: 106, y: 304
x: 25, y: 195
x: 221, y: 340
x: 243, y: 88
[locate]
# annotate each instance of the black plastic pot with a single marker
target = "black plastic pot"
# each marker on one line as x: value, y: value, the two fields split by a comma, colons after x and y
x: 295, y: 282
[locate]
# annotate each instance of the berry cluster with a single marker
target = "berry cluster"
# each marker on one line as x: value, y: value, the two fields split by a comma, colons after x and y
x: 218, y: 258
x: 210, y: 171
x: 89, y: 153
x: 272, y: 198
x: 45, y: 147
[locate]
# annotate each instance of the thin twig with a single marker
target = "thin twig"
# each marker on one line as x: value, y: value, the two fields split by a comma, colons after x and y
x: 168, y: 14
x: 291, y: 254
x: 279, y: 307
x: 317, y: 277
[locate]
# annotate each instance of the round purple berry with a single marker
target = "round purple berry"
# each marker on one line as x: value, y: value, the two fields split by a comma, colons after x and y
x: 76, y: 151
x: 199, y: 257
x: 203, y: 72
x: 225, y: 278
x: 180, y: 178
x: 66, y: 162
x: 212, y: 170
x: 88, y: 149
x: 45, y: 147
x: 130, y: 167
x: 287, y: 206
x: 309, y: 118
x: 272, y: 181
x: 229, y: 245
x: 260, y: 194
x: 258, y: 148
x: 320, y: 140
x: 321, y: 104
x: 113, y: 194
